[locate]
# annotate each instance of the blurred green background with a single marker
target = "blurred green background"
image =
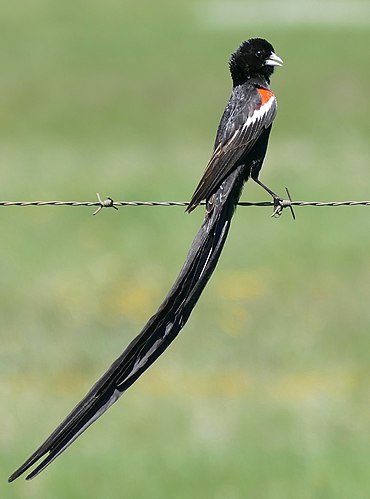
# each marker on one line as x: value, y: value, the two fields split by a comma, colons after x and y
x: 265, y: 392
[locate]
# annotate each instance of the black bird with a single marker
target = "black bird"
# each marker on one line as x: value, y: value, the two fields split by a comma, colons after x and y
x: 239, y: 150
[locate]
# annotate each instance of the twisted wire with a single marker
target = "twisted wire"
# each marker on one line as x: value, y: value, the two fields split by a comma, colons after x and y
x: 109, y: 203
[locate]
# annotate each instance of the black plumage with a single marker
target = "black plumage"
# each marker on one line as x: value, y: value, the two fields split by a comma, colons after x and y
x: 239, y: 151
x: 244, y: 129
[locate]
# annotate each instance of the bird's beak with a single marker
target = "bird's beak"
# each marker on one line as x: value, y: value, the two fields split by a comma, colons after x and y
x: 274, y: 60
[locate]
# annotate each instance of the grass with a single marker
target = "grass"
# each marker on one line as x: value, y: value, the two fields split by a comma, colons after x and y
x: 264, y: 394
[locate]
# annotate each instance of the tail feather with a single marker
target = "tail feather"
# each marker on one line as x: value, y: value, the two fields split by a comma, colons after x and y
x: 157, y: 334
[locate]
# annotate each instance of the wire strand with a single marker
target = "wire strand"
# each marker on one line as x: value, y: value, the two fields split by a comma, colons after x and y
x: 109, y: 203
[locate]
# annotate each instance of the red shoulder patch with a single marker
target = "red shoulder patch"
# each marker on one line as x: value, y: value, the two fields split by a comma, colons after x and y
x: 265, y: 95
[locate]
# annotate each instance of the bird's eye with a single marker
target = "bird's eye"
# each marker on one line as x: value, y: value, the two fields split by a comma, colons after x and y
x: 259, y: 53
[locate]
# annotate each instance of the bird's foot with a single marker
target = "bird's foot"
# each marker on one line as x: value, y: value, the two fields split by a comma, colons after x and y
x: 280, y: 204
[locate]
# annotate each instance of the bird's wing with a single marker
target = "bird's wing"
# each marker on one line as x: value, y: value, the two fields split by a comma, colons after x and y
x: 245, y: 119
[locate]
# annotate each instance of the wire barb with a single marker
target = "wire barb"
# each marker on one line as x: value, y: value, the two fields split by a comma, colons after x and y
x: 289, y: 205
x: 107, y: 203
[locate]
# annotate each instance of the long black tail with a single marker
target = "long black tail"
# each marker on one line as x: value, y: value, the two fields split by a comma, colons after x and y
x: 157, y: 334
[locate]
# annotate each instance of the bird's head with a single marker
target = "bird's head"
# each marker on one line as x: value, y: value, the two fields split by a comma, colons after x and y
x: 254, y: 57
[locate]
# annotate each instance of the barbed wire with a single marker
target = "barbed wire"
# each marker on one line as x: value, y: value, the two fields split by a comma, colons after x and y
x: 109, y: 203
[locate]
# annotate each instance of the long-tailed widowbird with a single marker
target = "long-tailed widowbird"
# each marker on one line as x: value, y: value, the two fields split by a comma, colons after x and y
x: 239, y: 151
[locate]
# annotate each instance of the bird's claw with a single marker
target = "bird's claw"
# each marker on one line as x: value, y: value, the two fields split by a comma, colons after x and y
x: 280, y: 204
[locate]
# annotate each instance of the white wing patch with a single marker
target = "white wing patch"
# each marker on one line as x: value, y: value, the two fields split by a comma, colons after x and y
x: 259, y: 113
